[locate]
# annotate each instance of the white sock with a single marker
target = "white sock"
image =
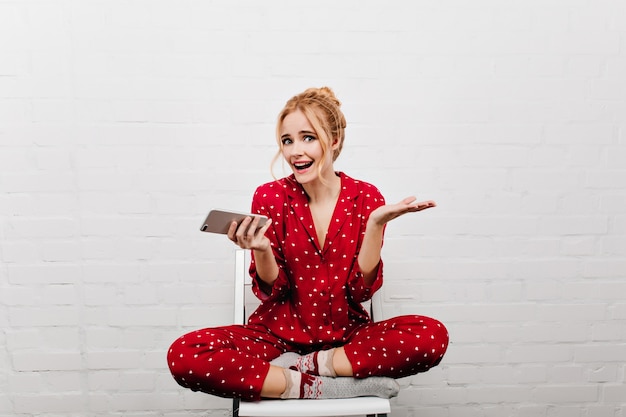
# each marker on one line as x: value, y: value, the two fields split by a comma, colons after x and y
x: 315, y: 363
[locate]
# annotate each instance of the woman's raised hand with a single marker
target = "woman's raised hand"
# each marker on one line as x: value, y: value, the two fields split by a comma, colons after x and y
x: 248, y: 235
x: 388, y: 212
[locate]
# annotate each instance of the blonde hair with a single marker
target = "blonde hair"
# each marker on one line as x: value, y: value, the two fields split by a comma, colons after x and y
x: 322, y: 109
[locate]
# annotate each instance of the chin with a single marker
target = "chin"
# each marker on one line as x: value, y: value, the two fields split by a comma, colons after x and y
x: 305, y: 178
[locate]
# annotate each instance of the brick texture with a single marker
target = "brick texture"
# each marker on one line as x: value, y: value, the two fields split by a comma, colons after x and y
x: 123, y: 122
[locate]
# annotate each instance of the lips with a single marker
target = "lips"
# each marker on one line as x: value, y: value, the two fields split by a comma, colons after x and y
x: 301, y: 166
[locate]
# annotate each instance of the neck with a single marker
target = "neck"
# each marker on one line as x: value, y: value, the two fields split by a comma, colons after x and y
x: 319, y: 192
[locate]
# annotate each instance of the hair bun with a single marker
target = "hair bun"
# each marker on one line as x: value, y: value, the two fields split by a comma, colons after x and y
x: 323, y: 94
x: 329, y: 94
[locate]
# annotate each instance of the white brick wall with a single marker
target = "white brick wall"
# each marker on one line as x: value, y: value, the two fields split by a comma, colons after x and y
x: 123, y: 122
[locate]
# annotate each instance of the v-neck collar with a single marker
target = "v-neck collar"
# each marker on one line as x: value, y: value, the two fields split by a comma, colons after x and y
x: 343, y: 210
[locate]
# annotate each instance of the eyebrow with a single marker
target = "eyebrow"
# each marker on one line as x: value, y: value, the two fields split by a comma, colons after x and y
x: 302, y: 132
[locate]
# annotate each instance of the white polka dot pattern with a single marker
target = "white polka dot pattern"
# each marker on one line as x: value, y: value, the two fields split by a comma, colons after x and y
x: 314, y: 304
x: 318, y: 294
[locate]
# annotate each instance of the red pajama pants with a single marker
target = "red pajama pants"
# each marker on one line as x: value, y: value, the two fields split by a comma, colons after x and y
x: 233, y: 361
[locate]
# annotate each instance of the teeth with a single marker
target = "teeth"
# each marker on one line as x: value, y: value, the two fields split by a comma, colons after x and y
x: 301, y: 165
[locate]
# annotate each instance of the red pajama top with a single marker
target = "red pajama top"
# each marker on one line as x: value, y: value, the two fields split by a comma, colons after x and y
x: 316, y: 299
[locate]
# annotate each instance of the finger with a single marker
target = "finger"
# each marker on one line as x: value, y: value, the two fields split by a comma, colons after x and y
x: 266, y: 226
x: 426, y: 205
x: 243, y: 227
x: 232, y: 229
x: 408, y: 200
x: 252, y: 229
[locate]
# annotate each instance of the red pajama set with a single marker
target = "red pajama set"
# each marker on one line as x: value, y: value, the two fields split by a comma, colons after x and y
x: 314, y: 304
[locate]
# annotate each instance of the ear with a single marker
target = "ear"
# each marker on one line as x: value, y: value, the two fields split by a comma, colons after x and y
x: 335, y: 143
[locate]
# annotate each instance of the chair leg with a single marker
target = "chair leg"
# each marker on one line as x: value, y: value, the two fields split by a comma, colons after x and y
x: 235, y: 407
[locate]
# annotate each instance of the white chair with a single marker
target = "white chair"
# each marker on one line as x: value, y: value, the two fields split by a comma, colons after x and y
x: 368, y: 406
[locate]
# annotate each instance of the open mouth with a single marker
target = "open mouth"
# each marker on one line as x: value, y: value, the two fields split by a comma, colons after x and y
x: 301, y: 166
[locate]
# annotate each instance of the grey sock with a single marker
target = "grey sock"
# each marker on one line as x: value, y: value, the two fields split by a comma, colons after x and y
x: 300, y: 385
x: 347, y: 387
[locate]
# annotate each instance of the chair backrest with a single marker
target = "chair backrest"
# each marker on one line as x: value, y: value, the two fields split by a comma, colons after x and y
x: 246, y: 302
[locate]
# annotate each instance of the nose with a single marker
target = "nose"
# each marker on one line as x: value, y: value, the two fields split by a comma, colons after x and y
x: 296, y: 148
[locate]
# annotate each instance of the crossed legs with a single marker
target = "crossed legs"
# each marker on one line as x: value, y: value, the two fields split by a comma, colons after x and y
x: 234, y: 361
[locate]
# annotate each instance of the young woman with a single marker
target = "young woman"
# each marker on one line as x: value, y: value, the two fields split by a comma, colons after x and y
x: 313, y: 264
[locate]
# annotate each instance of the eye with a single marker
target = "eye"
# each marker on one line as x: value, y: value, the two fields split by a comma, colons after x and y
x: 286, y: 141
x: 309, y: 138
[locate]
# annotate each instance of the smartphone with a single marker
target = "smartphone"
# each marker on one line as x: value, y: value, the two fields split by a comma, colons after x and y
x: 218, y: 221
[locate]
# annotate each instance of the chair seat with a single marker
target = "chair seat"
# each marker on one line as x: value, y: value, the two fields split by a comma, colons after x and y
x: 315, y: 408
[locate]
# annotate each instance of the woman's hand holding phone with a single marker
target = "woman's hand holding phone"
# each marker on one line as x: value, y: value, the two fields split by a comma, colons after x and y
x: 247, y: 234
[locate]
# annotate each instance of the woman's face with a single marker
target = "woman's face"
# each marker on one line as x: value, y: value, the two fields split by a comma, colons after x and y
x: 302, y: 149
